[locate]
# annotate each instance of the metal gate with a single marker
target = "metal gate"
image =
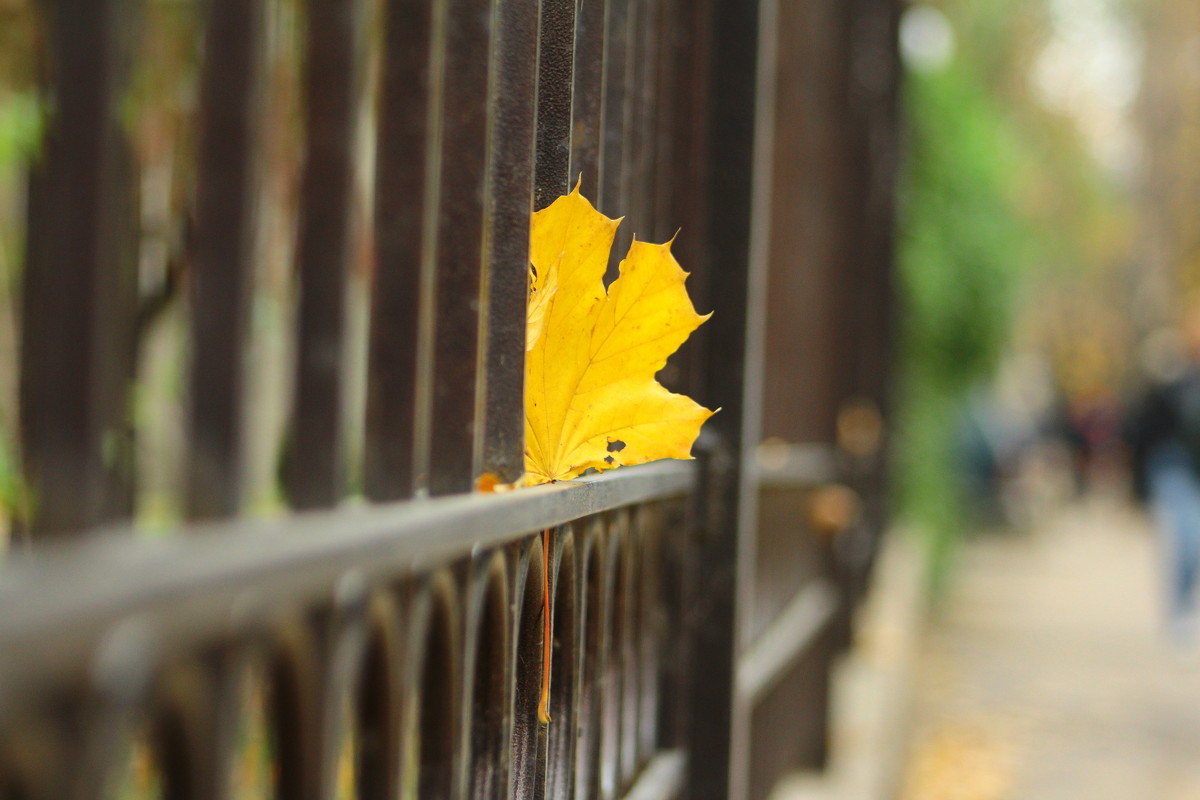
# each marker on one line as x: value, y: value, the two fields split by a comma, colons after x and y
x: 383, y: 637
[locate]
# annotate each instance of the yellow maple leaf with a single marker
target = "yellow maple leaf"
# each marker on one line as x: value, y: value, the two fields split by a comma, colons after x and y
x: 591, y: 399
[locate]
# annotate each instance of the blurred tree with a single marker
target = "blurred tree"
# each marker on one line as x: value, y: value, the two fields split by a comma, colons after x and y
x: 1005, y: 211
x: 1169, y: 124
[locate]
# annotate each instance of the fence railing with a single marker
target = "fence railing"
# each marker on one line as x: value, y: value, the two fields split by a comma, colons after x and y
x: 343, y: 187
x: 396, y: 643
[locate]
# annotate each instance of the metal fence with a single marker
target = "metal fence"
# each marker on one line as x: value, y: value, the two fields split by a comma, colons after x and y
x: 391, y: 646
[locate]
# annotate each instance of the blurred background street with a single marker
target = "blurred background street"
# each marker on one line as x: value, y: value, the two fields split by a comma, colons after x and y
x: 1046, y: 674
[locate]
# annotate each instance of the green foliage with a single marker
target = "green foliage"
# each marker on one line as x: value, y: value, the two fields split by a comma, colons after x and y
x: 20, y: 128
x: 21, y: 123
x: 1002, y: 200
x: 962, y: 244
x: 963, y: 249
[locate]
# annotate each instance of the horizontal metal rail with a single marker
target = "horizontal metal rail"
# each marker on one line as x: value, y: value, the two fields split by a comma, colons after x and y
x: 786, y: 641
x: 661, y: 779
x: 222, y: 577
x: 784, y: 466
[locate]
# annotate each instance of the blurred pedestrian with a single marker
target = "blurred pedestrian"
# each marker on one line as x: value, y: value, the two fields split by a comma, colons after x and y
x: 1163, y: 435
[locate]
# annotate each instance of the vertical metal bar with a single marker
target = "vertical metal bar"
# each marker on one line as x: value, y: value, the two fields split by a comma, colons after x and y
x: 687, y: 200
x: 587, y: 97
x: 674, y: 571
x: 802, y: 325
x: 631, y: 116
x: 556, y: 58
x: 875, y: 76
x: 629, y: 565
x: 506, y: 238
x: 378, y: 707
x: 716, y: 739
x: 612, y: 153
x: 529, y: 743
x: 667, y: 84
x: 631, y: 199
x: 612, y: 633
x: 651, y: 631
x: 315, y: 473
x: 561, y: 752
x: 642, y: 120
x: 591, y: 664
x: 436, y: 699
x: 220, y: 289
x: 877, y: 82
x: 486, y: 727
x: 625, y: 202
x: 850, y: 148
x: 652, y: 95
x: 77, y: 324
x: 808, y: 288
x: 402, y: 150
x: 459, y: 252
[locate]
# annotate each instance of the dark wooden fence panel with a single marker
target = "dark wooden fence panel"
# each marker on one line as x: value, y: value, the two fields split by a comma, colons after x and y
x: 395, y: 648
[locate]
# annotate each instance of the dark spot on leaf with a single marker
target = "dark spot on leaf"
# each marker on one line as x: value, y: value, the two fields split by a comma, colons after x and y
x: 608, y: 459
x: 616, y: 446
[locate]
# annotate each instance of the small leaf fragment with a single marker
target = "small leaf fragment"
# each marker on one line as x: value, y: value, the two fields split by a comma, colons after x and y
x: 490, y: 483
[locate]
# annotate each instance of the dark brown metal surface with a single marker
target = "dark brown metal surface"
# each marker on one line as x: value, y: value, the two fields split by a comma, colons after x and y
x: 806, y: 317
x: 612, y: 147
x: 641, y: 137
x: 315, y: 474
x: 223, y: 262
x: 730, y: 116
x: 587, y: 96
x: 80, y: 277
x: 668, y: 81
x: 620, y: 114
x: 506, y: 238
x: 401, y: 186
x: 556, y: 65
x: 452, y: 461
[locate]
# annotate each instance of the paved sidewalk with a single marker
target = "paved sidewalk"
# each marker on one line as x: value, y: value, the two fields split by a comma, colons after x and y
x: 1044, y: 676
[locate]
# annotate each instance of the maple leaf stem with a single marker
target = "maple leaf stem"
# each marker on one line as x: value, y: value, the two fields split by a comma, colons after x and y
x: 547, y: 633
